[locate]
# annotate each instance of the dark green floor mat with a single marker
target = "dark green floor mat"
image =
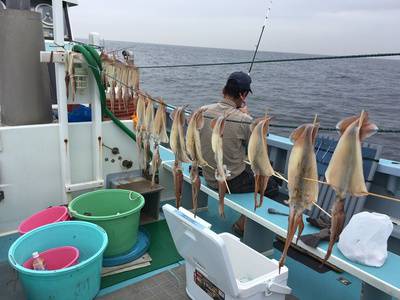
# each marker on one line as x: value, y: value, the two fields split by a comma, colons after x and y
x: 162, y: 251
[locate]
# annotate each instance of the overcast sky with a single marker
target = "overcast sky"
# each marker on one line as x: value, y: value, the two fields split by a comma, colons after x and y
x: 302, y: 26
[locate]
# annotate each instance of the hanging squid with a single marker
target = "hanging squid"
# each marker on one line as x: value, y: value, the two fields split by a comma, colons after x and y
x: 159, y: 130
x: 140, y: 130
x: 345, y: 171
x: 193, y: 147
x: 112, y: 71
x: 125, y: 87
x: 119, y: 68
x: 258, y: 157
x: 70, y: 74
x: 132, y: 82
x: 302, y: 193
x: 221, y: 172
x: 159, y: 134
x: 148, y: 127
x: 177, y: 143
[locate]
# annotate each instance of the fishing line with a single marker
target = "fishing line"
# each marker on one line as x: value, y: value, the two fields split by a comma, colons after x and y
x: 71, y: 43
x: 303, y: 59
x: 120, y: 49
x: 283, y: 126
x: 280, y: 176
x: 364, y: 194
x: 91, y: 45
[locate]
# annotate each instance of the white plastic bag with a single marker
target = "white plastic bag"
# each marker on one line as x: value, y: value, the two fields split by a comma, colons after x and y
x: 364, y: 239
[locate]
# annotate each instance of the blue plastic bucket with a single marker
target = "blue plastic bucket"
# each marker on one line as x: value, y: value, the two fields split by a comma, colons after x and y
x: 78, y: 282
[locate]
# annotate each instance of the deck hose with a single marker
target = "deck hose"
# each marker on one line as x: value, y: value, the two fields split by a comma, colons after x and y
x: 93, y: 60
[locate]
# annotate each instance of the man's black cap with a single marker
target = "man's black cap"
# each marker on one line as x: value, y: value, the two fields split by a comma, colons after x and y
x: 242, y: 79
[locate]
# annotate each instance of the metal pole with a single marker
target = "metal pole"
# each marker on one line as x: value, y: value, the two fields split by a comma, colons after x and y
x: 97, y: 138
x: 58, y: 21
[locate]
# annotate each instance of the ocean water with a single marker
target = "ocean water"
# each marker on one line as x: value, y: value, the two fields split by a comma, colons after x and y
x: 292, y: 92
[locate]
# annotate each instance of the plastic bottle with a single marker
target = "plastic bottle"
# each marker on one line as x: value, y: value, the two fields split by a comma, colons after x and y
x: 38, y: 262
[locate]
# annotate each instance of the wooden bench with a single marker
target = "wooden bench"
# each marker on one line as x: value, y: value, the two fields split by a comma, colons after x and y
x: 385, y: 279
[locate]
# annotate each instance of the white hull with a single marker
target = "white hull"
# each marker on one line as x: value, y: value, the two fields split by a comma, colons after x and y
x: 30, y: 165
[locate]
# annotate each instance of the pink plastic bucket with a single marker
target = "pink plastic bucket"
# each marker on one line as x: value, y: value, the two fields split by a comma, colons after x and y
x: 57, y: 258
x: 49, y: 215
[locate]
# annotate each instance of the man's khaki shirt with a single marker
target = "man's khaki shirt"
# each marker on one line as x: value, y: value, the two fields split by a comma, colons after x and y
x: 235, y: 139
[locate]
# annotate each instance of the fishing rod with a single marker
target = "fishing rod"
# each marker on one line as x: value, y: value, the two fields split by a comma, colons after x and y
x: 260, y: 37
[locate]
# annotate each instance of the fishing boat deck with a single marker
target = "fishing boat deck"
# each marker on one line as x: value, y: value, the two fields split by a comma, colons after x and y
x: 383, y: 278
x: 167, y: 285
x: 9, y: 284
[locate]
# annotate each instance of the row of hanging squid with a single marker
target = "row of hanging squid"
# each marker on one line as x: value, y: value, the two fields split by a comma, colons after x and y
x: 344, y: 173
x: 149, y: 126
x: 121, y: 80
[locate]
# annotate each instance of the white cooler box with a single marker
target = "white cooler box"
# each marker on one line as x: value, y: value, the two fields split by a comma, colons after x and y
x: 219, y: 266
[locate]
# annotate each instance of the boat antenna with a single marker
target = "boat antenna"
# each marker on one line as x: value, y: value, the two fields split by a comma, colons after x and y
x: 261, y: 34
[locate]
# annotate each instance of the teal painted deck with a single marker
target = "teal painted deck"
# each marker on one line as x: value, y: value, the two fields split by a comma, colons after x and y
x: 308, y: 284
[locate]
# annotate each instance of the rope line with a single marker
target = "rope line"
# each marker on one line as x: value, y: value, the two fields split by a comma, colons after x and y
x: 273, y: 60
x: 120, y: 49
x: 55, y: 45
x: 283, y: 126
x: 91, y: 45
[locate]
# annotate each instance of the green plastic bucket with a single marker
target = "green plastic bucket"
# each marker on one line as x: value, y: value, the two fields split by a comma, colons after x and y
x: 117, y: 211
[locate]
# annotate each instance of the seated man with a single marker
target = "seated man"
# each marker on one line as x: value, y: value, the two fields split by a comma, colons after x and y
x: 236, y: 137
